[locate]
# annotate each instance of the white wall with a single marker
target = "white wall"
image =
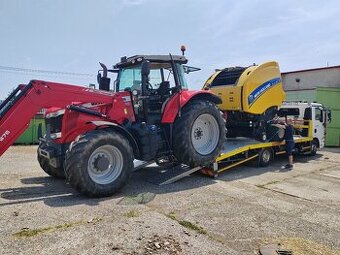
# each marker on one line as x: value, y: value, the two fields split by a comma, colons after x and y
x: 311, y: 79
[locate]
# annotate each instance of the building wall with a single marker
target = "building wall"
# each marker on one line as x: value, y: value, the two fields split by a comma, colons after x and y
x: 311, y: 79
x: 330, y: 97
x: 302, y: 95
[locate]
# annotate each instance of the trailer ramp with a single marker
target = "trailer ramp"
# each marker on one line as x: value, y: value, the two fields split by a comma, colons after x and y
x: 160, y: 175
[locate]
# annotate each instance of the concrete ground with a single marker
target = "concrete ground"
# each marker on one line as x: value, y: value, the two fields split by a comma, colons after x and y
x: 237, y: 213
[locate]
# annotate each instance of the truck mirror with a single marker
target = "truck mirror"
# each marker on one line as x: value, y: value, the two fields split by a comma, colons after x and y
x: 329, y: 115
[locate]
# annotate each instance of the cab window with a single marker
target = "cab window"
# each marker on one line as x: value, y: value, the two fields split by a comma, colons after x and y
x: 155, y: 78
x: 130, y: 78
x: 318, y: 114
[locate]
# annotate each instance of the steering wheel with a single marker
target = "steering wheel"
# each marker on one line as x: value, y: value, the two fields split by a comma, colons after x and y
x: 149, y: 86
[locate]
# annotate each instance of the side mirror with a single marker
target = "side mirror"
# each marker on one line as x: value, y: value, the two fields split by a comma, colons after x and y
x: 329, y: 113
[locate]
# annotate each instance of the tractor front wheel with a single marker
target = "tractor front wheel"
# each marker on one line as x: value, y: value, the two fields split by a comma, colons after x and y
x: 99, y: 163
x: 199, y: 133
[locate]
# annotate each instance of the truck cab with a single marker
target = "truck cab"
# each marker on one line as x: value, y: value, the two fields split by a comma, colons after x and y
x: 317, y: 113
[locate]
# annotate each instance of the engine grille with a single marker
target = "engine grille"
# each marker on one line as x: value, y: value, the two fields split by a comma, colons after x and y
x: 55, y: 123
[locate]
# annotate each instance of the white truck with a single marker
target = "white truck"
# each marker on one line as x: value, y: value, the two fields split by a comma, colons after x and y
x: 318, y: 114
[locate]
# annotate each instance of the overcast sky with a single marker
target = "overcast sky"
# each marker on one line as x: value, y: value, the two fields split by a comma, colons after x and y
x: 73, y: 36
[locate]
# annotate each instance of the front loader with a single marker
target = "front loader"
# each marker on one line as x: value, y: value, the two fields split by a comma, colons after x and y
x: 93, y: 136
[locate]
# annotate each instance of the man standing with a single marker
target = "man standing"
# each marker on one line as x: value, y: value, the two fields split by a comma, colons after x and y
x: 290, y: 144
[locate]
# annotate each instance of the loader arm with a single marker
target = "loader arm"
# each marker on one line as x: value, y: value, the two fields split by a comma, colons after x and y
x: 26, y: 100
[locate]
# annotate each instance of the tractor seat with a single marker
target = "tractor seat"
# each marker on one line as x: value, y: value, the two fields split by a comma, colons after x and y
x: 158, y: 97
x: 164, y: 88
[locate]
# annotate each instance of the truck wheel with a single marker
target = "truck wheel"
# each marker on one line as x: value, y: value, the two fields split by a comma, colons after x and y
x: 313, y: 148
x: 265, y: 156
x: 199, y: 133
x: 58, y: 173
x: 99, y: 163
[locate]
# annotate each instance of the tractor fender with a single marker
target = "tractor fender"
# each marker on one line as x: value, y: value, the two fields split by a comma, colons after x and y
x: 121, y: 130
x: 171, y: 108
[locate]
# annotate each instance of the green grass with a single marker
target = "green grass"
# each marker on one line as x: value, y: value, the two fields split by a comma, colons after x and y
x: 132, y: 214
x: 187, y: 224
x: 264, y: 185
x: 26, y: 232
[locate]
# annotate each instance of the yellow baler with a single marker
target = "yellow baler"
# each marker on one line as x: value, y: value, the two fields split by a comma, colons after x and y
x: 250, y: 97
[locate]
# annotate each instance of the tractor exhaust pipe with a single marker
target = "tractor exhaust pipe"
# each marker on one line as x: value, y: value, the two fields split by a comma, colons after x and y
x: 103, y: 80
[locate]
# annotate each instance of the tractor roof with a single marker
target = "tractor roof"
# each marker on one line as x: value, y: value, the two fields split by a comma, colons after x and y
x: 124, y: 61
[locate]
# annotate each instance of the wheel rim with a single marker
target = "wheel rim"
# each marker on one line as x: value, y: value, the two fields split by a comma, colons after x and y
x: 105, y: 164
x: 266, y: 156
x: 205, y: 134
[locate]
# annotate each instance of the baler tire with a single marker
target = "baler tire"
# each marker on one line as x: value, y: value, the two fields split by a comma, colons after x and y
x: 82, y: 163
x: 58, y: 173
x: 205, y: 118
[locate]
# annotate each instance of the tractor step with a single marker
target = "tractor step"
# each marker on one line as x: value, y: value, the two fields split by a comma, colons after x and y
x: 137, y: 164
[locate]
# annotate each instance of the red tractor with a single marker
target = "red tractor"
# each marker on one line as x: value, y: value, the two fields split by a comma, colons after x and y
x: 93, y: 136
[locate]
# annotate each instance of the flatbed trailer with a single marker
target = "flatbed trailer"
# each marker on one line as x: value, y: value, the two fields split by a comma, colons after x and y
x: 237, y: 151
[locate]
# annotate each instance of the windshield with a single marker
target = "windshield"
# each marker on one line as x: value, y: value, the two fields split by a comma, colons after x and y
x: 129, y: 78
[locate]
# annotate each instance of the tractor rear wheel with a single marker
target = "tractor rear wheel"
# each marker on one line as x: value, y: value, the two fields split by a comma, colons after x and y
x: 99, y: 163
x: 56, y: 172
x: 199, y: 133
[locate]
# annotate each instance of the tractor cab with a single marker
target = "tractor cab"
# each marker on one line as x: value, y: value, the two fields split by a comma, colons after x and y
x: 151, y: 80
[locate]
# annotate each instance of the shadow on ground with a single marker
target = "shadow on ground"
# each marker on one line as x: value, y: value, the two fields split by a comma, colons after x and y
x: 56, y: 193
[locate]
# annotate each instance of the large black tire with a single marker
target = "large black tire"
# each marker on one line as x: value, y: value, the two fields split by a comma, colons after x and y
x: 58, y: 173
x: 275, y: 134
x: 199, y: 119
x: 99, y: 163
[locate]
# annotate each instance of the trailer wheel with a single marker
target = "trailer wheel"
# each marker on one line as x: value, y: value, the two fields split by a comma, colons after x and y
x: 199, y: 133
x: 99, y: 163
x: 265, y: 156
x: 58, y: 173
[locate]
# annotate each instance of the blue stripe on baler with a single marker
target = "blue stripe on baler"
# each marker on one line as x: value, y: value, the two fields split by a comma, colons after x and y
x: 261, y: 89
